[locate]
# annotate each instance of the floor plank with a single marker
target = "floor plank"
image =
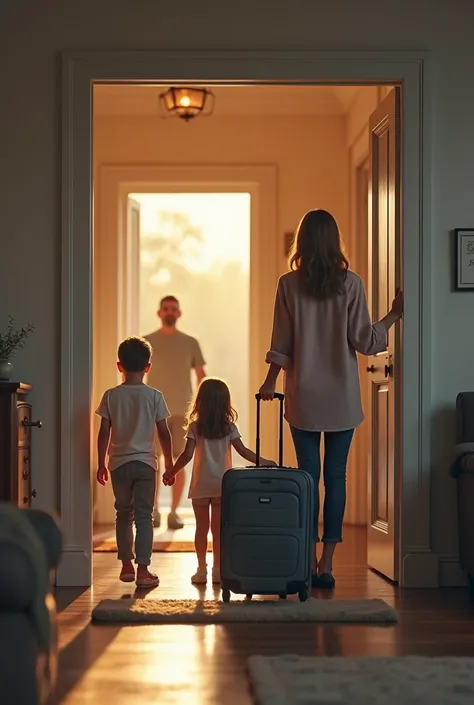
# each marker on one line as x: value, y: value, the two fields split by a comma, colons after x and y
x: 187, y: 665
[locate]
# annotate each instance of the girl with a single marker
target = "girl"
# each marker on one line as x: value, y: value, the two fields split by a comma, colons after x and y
x: 211, y: 434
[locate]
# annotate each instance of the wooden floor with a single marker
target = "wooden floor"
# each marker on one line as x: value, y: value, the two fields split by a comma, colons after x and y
x: 205, y: 665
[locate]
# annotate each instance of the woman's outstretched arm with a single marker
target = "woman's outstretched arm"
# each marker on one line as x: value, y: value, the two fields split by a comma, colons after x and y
x: 366, y: 337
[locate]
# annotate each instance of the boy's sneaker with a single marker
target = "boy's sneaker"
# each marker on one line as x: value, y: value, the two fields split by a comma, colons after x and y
x: 200, y: 576
x: 127, y: 574
x: 147, y: 580
x: 216, y: 575
x: 174, y: 521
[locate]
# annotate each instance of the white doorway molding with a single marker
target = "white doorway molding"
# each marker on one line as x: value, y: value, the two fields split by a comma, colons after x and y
x: 419, y: 566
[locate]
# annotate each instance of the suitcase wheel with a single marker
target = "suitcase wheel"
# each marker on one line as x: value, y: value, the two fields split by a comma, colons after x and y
x: 282, y: 595
x: 303, y: 594
x: 248, y: 596
x: 225, y: 595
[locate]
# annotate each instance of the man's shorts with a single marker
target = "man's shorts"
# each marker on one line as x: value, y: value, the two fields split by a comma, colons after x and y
x: 175, y: 425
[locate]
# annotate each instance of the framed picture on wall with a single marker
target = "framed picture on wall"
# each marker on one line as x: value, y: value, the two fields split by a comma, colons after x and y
x: 464, y: 259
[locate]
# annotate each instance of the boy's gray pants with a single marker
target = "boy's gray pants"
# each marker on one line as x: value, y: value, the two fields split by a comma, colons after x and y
x: 134, y: 485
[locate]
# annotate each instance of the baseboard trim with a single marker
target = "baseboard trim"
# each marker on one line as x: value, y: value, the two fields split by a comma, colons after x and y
x: 450, y: 572
x: 75, y: 568
x: 420, y: 569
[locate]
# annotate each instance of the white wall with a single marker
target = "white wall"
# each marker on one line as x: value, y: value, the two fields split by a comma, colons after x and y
x: 309, y: 153
x: 34, y: 34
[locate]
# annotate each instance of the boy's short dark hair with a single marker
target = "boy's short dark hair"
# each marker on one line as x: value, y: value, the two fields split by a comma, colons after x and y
x: 170, y: 297
x: 134, y: 354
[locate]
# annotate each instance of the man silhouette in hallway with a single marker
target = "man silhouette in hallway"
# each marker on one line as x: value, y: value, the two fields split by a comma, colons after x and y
x: 175, y: 355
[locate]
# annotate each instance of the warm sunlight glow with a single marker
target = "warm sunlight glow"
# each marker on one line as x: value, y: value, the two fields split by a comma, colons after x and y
x: 196, y: 246
x: 161, y: 277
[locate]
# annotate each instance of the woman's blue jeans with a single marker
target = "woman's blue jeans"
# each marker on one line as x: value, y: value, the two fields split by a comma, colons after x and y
x: 336, y: 450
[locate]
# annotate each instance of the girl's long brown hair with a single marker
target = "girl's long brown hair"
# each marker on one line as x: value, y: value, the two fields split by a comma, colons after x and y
x: 318, y: 255
x: 211, y: 409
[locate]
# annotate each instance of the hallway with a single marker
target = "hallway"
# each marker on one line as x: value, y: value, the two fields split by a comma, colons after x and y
x: 187, y: 665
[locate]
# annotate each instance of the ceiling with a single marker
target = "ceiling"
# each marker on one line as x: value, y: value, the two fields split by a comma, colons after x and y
x: 115, y: 99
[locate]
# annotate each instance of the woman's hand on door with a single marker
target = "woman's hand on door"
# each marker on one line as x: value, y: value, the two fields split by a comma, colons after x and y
x: 397, y: 304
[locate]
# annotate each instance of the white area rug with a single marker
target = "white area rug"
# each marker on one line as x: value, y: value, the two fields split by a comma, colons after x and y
x: 154, y: 611
x: 412, y: 680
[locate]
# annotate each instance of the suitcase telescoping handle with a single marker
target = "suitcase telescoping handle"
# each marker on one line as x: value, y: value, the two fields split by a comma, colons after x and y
x: 280, y: 398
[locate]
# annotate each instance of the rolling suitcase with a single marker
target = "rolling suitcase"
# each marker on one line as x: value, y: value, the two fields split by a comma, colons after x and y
x: 267, y: 516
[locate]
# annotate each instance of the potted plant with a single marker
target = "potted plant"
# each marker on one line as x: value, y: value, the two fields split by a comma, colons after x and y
x: 11, y: 341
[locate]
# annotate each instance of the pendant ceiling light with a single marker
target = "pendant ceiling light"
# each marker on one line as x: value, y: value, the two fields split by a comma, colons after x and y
x: 187, y: 103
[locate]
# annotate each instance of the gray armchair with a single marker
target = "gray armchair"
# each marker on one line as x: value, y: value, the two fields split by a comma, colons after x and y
x: 463, y: 470
x: 27, y: 672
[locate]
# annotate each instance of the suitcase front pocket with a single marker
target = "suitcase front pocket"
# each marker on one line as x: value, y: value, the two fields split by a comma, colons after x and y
x: 259, y: 555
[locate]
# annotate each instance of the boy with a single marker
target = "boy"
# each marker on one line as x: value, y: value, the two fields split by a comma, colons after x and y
x: 128, y: 414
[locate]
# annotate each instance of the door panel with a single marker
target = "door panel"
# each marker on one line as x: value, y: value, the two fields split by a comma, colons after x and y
x: 380, y: 480
x: 384, y: 225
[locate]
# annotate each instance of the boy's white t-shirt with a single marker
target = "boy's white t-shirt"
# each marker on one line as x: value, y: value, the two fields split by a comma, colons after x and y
x: 133, y: 410
x: 212, y: 457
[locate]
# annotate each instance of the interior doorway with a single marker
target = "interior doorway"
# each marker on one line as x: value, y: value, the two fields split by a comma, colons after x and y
x: 161, y: 232
x: 411, y: 140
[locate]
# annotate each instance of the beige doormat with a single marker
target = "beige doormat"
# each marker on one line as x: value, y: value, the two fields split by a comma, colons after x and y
x: 410, y: 680
x: 154, y: 611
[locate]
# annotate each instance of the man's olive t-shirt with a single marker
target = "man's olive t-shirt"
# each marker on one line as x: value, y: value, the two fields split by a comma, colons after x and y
x: 174, y: 356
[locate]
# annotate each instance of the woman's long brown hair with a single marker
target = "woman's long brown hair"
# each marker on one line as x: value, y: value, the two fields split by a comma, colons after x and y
x: 211, y: 409
x: 317, y: 254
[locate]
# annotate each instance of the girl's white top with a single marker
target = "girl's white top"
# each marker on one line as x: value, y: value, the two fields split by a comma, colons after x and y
x: 212, y: 457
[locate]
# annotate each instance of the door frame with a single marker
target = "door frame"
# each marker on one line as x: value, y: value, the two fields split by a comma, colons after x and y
x: 114, y: 183
x: 419, y: 566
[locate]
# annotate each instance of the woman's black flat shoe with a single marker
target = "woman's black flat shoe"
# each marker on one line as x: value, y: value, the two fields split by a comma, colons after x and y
x: 324, y: 581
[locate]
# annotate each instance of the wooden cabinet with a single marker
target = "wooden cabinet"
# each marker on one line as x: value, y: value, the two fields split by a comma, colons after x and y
x: 15, y: 444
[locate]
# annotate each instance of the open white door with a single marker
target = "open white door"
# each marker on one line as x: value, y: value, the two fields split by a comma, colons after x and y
x: 384, y: 228
x: 129, y: 293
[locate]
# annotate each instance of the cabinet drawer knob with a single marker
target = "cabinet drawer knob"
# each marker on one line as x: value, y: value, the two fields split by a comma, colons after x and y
x: 26, y: 423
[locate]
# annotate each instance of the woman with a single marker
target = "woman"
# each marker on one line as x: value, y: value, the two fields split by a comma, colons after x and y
x: 320, y: 321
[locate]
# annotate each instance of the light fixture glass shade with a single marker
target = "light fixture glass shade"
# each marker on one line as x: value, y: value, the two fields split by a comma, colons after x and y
x: 186, y: 103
